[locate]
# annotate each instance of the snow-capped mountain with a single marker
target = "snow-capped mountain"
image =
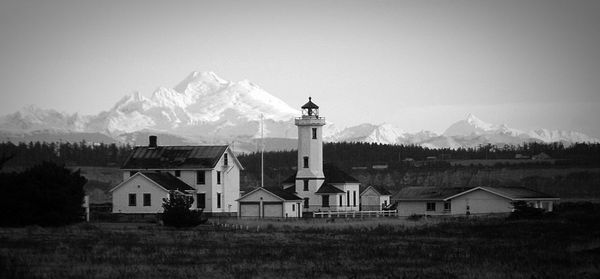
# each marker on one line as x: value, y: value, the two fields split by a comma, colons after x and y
x: 384, y: 133
x: 204, y: 108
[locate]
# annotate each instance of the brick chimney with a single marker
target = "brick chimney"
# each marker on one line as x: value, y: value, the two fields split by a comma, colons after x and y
x: 152, y: 142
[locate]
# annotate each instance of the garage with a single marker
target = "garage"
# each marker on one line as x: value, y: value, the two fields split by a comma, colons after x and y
x: 250, y: 209
x: 273, y: 209
x: 270, y: 202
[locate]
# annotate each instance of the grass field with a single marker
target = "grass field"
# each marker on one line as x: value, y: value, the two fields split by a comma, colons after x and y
x: 375, y: 248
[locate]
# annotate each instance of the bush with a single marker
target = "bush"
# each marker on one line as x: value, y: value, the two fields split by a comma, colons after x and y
x: 414, y: 217
x: 177, y: 212
x: 522, y: 210
x: 46, y: 195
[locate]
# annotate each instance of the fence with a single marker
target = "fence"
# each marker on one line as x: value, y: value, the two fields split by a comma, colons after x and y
x: 355, y: 214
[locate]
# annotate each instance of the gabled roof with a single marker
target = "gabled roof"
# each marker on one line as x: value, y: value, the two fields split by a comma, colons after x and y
x: 512, y: 193
x: 276, y: 191
x: 328, y: 189
x: 447, y: 193
x: 427, y: 193
x: 332, y: 174
x: 172, y: 157
x: 166, y: 181
x: 379, y: 189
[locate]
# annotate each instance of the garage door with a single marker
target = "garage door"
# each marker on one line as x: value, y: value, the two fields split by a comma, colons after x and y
x: 273, y: 210
x: 249, y: 210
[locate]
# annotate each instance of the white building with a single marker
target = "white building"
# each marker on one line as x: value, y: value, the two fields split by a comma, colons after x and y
x: 465, y: 201
x: 323, y: 188
x: 212, y: 174
x: 270, y: 202
x: 374, y: 198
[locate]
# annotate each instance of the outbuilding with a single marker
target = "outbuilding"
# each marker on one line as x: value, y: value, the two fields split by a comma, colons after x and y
x: 270, y: 202
x: 374, y: 198
x: 466, y: 201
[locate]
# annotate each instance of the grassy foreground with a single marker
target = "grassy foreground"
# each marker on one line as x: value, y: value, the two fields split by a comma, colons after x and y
x: 492, y: 248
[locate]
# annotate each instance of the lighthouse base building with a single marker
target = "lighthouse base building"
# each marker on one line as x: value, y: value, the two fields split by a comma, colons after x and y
x: 315, y: 187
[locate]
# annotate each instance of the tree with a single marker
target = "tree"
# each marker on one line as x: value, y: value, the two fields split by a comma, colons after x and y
x: 46, y: 194
x: 177, y: 211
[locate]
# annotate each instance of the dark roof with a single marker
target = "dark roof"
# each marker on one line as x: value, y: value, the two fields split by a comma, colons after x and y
x: 167, y: 181
x: 332, y: 175
x: 169, y: 157
x: 427, y: 193
x: 328, y: 189
x: 519, y: 193
x: 280, y: 192
x: 310, y: 104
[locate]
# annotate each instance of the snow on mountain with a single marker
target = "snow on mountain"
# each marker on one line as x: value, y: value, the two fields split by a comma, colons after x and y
x: 385, y: 133
x: 204, y: 108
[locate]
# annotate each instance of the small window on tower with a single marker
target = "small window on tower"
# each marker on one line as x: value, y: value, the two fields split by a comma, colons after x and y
x: 306, y: 185
x: 314, y: 133
x: 305, y: 162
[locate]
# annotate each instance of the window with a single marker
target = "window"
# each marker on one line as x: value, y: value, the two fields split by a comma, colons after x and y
x: 341, y: 199
x: 177, y: 173
x: 218, y: 200
x: 200, y: 200
x: 305, y: 162
x: 354, y: 198
x: 225, y: 160
x: 131, y: 173
x: 314, y: 133
x: 147, y: 200
x: 132, y: 200
x: 447, y: 206
x: 306, y: 202
x: 325, y: 202
x: 293, y: 207
x: 218, y: 177
x: 431, y: 206
x: 347, y: 198
x: 305, y: 184
x: 200, y: 177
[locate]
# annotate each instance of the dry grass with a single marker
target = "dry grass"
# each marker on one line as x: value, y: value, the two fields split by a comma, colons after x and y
x: 375, y: 248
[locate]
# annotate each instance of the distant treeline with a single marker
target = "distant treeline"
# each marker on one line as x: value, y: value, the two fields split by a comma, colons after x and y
x: 345, y: 155
x: 81, y: 154
x: 348, y: 155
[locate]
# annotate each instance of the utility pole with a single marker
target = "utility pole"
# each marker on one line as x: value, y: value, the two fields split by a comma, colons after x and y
x: 262, y: 151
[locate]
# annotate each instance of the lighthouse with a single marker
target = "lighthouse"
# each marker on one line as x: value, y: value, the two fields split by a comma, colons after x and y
x: 310, y: 143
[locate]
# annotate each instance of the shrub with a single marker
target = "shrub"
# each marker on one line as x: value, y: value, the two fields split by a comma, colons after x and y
x: 177, y: 212
x: 522, y: 210
x: 414, y: 217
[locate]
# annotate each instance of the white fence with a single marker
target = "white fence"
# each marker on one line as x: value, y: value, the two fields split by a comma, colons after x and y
x: 355, y: 214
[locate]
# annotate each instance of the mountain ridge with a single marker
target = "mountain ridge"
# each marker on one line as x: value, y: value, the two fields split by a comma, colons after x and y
x: 205, y: 108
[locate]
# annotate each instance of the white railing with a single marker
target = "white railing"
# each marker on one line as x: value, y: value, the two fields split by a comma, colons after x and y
x: 355, y: 214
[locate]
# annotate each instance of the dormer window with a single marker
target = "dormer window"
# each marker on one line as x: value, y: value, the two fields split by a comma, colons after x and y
x: 225, y: 161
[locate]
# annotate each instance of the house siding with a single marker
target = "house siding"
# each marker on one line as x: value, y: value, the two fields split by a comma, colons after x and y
x: 480, y: 202
x: 120, y: 197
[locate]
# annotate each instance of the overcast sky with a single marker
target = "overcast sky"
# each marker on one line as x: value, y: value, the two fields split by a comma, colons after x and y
x: 420, y: 65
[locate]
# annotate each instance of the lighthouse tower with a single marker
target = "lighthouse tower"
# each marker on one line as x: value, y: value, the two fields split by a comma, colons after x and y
x: 310, y: 150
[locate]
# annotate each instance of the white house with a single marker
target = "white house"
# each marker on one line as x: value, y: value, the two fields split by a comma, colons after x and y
x: 465, y: 201
x: 374, y: 198
x: 270, y: 202
x: 144, y: 192
x: 212, y: 172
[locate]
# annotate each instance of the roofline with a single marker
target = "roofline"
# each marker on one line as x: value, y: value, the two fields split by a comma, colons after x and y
x: 497, y: 194
x: 136, y: 174
x: 371, y: 186
x: 277, y: 196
